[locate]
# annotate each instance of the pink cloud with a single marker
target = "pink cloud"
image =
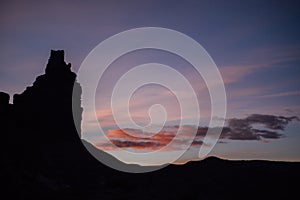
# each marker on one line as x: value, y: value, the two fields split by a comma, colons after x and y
x: 137, y: 139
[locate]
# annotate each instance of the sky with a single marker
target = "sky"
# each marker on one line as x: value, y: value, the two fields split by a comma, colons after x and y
x: 255, y: 45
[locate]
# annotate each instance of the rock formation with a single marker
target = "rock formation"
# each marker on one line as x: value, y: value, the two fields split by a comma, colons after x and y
x: 40, y: 137
x: 43, y: 154
x: 48, y: 103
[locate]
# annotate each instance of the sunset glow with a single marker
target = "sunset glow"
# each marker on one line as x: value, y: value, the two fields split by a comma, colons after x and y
x: 255, y: 46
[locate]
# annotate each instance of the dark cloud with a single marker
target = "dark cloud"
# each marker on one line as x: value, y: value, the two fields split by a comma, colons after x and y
x: 244, y: 129
x: 197, y: 142
x: 201, y: 131
x: 137, y: 144
x: 271, y: 121
x: 253, y: 127
x: 289, y: 110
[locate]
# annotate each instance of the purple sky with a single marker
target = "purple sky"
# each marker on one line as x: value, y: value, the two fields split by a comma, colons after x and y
x: 255, y: 44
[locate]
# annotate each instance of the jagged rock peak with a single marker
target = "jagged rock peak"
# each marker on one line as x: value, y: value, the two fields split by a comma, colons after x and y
x: 56, y: 62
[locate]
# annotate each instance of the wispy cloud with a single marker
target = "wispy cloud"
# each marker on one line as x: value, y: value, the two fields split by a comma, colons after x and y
x: 233, y: 74
x: 257, y: 59
x: 281, y: 94
x: 271, y: 55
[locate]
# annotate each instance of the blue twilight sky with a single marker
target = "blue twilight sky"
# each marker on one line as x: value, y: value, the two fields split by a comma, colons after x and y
x: 255, y: 44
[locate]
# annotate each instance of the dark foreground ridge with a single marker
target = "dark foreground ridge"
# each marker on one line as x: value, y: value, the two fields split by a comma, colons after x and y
x: 42, y: 156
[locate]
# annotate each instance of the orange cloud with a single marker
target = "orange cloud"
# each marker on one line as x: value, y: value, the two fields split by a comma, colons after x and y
x: 139, y: 140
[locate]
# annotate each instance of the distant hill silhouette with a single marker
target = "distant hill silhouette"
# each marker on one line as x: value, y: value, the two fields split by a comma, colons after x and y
x: 43, y: 156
